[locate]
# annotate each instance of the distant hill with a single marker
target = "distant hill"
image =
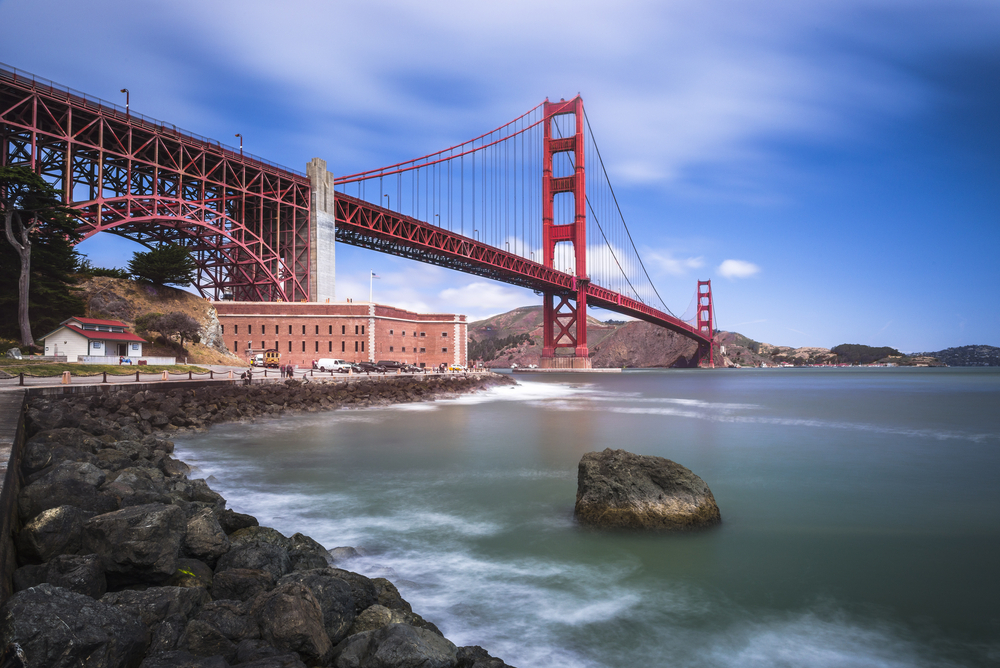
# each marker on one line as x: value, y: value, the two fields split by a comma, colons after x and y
x: 968, y: 356
x: 516, y: 337
x: 612, y: 344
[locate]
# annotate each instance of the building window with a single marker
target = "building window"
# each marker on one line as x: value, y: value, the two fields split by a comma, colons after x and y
x: 444, y: 350
x: 362, y: 329
x: 236, y: 329
x: 414, y: 333
x: 276, y: 329
x: 289, y: 330
x: 362, y: 346
x: 444, y: 333
x: 355, y: 329
x: 343, y: 346
x: 390, y: 349
x: 404, y: 332
x: 331, y: 330
x: 317, y: 346
x: 390, y: 332
x: 423, y: 333
x: 403, y: 349
x: 355, y: 346
x: 423, y: 350
x: 303, y: 346
x: 262, y: 344
x: 223, y: 328
x: 275, y: 345
x: 317, y: 329
x: 236, y: 346
x: 330, y: 346
x: 303, y: 330
x: 289, y: 346
x: 343, y: 329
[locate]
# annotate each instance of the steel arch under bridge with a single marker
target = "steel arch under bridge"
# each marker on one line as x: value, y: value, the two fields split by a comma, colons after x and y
x: 245, y: 220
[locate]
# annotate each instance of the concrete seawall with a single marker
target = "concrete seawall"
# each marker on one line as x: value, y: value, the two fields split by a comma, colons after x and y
x: 11, y: 444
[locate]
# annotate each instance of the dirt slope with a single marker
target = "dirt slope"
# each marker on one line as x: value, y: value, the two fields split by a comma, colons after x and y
x: 122, y: 299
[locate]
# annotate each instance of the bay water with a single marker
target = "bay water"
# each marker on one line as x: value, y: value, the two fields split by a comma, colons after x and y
x: 861, y: 514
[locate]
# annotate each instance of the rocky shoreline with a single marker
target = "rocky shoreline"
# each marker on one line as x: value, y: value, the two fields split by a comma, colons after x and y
x: 126, y: 562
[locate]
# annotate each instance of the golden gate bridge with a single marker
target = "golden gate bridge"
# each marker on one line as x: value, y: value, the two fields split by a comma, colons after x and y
x: 528, y: 203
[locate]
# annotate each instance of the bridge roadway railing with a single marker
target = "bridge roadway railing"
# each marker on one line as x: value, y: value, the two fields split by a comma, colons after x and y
x: 361, y: 223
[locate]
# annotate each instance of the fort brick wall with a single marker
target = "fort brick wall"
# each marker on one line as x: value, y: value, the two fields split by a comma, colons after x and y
x: 356, y: 332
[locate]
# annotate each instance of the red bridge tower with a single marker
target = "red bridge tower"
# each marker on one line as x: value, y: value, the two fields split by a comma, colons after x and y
x: 565, y: 324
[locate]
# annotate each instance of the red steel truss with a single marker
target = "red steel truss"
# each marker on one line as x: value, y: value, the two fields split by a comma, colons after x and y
x: 245, y: 220
x: 706, y: 321
x: 363, y: 224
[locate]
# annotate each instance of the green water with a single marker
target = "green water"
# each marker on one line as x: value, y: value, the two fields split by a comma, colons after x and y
x: 861, y: 514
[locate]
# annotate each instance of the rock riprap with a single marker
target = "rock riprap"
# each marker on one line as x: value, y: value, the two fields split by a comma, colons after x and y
x: 124, y: 562
x: 617, y: 489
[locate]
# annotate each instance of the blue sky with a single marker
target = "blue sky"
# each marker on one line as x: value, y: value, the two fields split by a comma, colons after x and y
x: 833, y: 166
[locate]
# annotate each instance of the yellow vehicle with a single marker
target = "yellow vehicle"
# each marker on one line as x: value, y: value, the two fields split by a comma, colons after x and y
x: 272, y: 359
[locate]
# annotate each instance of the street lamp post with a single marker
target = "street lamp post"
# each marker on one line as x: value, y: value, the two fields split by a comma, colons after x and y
x: 388, y: 202
x: 241, y: 143
x: 127, y: 95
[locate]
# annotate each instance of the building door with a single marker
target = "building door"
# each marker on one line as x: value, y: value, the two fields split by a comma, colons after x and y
x: 122, y: 349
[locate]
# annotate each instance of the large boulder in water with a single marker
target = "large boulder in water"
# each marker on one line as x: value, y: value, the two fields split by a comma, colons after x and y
x: 619, y: 489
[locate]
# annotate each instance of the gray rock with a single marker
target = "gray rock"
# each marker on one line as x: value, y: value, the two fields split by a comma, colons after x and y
x: 205, y: 539
x: 57, y: 628
x: 39, y: 455
x: 259, y: 654
x: 73, y: 438
x: 290, y: 618
x: 192, y: 573
x: 379, y: 616
x: 389, y: 596
x: 137, y: 544
x: 362, y: 589
x: 182, y: 659
x: 341, y: 555
x: 155, y: 604
x: 83, y: 574
x: 241, y: 584
x: 335, y: 597
x: 202, y: 639
x: 618, y: 489
x: 306, y: 554
x: 65, y: 484
x: 232, y: 521
x: 52, y: 532
x: 231, y: 618
x: 259, y: 534
x: 395, y: 646
x: 166, y: 634
x: 475, y: 656
x: 263, y: 556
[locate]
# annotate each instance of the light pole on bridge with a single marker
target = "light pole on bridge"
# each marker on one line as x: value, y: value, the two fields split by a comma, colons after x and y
x: 241, y: 143
x: 127, y: 95
x: 388, y: 202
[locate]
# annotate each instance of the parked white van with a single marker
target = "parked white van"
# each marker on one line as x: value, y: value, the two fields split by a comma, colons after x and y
x: 328, y: 364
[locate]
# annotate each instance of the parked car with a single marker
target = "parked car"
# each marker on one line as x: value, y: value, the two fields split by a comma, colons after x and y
x: 332, y: 364
x: 392, y: 365
x: 413, y: 368
x: 370, y: 367
x: 456, y: 367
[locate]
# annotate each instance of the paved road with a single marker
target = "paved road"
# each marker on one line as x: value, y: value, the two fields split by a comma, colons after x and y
x: 219, y: 372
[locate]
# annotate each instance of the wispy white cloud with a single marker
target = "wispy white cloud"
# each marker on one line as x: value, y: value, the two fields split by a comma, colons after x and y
x: 675, y: 266
x: 737, y: 269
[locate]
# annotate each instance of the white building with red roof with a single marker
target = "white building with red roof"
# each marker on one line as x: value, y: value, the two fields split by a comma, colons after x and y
x: 77, y: 338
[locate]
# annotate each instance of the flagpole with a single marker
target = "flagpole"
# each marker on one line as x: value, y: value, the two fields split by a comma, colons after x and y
x: 371, y: 282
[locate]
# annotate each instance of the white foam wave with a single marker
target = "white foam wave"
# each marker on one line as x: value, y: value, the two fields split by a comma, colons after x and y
x: 937, y: 434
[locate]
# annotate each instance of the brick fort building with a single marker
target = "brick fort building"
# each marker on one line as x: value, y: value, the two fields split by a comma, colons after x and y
x: 356, y: 332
